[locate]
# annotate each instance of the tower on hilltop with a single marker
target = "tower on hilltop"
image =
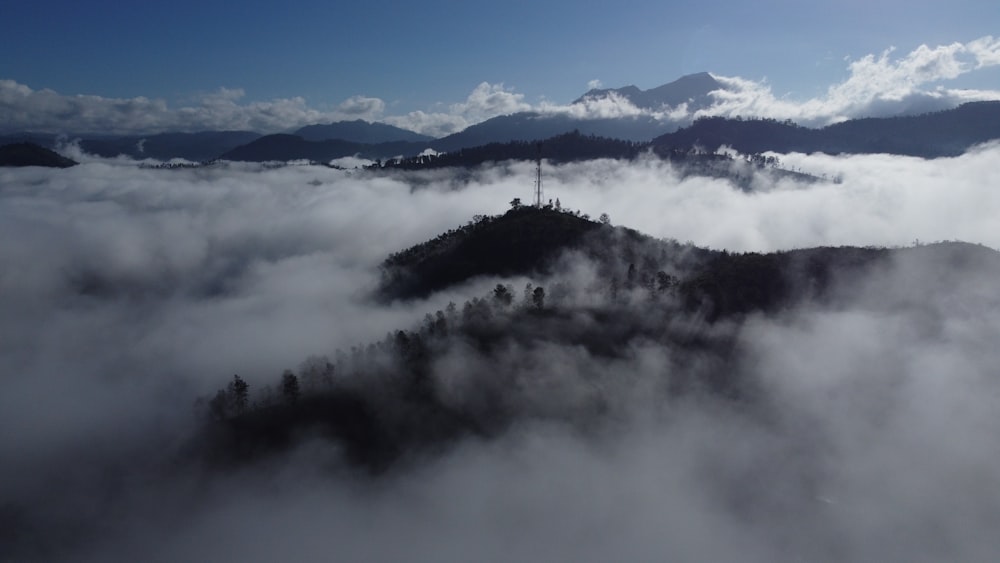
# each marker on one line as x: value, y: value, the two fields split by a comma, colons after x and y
x: 538, y: 177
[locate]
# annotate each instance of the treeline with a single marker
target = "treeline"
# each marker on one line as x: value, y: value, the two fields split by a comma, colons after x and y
x: 569, y: 147
x: 383, y: 402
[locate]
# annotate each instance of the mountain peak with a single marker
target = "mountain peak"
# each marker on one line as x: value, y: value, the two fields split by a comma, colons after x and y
x: 692, y: 89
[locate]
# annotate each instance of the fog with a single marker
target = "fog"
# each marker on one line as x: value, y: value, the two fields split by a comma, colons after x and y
x: 127, y: 293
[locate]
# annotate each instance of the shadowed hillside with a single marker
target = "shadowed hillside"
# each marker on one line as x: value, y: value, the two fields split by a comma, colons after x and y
x: 30, y: 154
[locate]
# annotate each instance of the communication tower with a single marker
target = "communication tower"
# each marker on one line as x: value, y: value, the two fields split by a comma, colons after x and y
x: 538, y: 178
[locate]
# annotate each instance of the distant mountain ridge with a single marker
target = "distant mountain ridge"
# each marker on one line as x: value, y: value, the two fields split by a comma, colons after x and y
x: 285, y: 147
x: 692, y: 89
x: 944, y: 133
x: 360, y: 131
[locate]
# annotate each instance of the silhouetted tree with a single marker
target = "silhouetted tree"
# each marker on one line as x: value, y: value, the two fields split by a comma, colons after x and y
x: 218, y: 406
x: 538, y: 297
x: 290, y: 387
x: 502, y: 295
x: 239, y: 392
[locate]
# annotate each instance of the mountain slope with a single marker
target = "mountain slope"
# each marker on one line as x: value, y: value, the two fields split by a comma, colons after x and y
x: 360, y: 131
x: 692, y: 89
x: 284, y: 147
x: 30, y: 154
x: 201, y: 146
x: 944, y: 133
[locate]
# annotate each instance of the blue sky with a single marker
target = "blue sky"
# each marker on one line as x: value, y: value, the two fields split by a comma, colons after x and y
x: 427, y: 57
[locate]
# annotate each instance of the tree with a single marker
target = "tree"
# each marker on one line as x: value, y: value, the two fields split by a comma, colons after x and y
x: 664, y: 281
x: 538, y: 297
x: 217, y: 407
x: 515, y: 203
x: 290, y: 387
x: 502, y: 295
x: 604, y: 219
x: 239, y: 393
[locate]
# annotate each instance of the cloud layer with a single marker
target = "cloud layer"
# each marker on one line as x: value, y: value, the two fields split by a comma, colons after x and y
x: 877, y: 85
x: 128, y: 292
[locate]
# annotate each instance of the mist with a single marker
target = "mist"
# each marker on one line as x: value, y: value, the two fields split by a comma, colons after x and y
x: 129, y: 292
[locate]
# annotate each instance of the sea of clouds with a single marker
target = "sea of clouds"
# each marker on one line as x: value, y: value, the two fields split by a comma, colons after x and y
x: 127, y: 292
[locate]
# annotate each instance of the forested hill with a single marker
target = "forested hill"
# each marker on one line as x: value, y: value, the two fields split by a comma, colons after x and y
x: 944, y: 133
x: 389, y: 402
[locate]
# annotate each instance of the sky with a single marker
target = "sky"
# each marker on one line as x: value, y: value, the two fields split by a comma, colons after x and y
x: 440, y: 66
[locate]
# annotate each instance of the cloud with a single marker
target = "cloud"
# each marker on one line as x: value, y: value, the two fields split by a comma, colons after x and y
x: 484, y: 102
x: 128, y: 292
x: 876, y: 86
x: 594, y: 84
x: 363, y: 107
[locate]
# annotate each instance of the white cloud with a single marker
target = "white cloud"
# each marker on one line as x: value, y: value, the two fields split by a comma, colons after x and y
x: 877, y: 86
x: 127, y: 292
x: 594, y: 84
x: 362, y: 107
x: 484, y: 102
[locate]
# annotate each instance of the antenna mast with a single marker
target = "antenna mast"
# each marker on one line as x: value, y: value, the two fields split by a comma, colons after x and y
x: 538, y: 178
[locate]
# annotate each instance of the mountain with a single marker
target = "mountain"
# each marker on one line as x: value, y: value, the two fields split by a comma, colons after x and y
x: 692, y: 89
x: 198, y: 147
x: 471, y: 372
x: 533, y: 126
x: 201, y: 146
x: 568, y: 147
x: 360, y: 131
x: 284, y: 147
x: 944, y: 133
x: 30, y: 154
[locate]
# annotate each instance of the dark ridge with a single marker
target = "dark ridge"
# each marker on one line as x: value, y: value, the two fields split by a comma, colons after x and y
x: 380, y: 403
x: 943, y: 133
x: 533, y: 126
x: 568, y: 147
x: 199, y: 147
x: 30, y: 154
x: 284, y: 147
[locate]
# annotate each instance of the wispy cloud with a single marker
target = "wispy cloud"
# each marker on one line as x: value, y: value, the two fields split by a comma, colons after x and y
x: 876, y: 86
